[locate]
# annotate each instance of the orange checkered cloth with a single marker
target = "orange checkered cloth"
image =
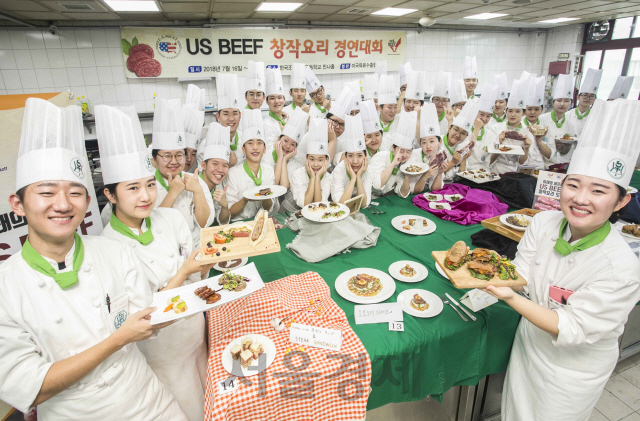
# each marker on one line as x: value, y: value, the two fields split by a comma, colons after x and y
x: 340, y: 380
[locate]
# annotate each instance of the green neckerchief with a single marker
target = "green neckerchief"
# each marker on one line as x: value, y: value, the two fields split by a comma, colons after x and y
x: 369, y: 152
x: 514, y: 128
x: 247, y: 107
x: 555, y: 119
x: 257, y: 180
x: 472, y: 96
x: 235, y: 142
x: 526, y: 122
x: 581, y: 116
x: 395, y: 170
x: 160, y: 179
x: 293, y: 106
x: 445, y: 140
x: 423, y: 161
x: 275, y: 156
x: 356, y: 183
x: 276, y: 118
x: 38, y: 263
x: 385, y: 129
x: 593, y: 239
x: 499, y: 120
x: 322, y: 109
x: 120, y: 227
x: 441, y: 116
x: 479, y: 137
x: 212, y: 191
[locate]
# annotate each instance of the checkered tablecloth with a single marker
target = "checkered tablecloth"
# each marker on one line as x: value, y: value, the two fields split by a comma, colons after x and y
x: 339, y: 381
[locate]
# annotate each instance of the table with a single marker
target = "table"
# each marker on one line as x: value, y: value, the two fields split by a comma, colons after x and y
x: 494, y: 224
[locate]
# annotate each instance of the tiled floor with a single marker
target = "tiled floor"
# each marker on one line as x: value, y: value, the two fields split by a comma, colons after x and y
x: 620, y: 400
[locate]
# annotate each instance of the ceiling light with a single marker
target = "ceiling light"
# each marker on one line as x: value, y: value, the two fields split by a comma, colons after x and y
x: 394, y: 11
x: 559, y: 20
x: 278, y: 7
x: 484, y: 16
x: 133, y: 5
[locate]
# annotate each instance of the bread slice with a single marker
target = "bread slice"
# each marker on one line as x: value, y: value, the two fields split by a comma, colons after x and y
x: 260, y: 224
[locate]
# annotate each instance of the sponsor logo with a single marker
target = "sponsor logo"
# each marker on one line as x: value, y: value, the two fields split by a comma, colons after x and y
x: 569, y: 94
x: 521, y: 104
x: 303, y: 83
x: 431, y: 131
x: 180, y: 141
x: 77, y: 168
x: 418, y: 94
x: 321, y: 147
x: 616, y: 168
x: 120, y: 318
x: 168, y: 46
x: 393, y: 44
x: 147, y: 164
x: 258, y: 133
x: 360, y: 145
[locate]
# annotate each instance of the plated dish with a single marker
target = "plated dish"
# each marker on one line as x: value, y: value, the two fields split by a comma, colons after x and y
x: 365, y: 286
x: 631, y: 230
x: 439, y: 205
x: 432, y: 197
x: 412, y: 224
x: 420, y: 303
x: 248, y: 355
x: 230, y: 264
x: 453, y: 197
x: 414, y: 168
x: 518, y: 222
x: 497, y: 148
x: 482, y: 263
x: 325, y: 211
x: 264, y: 192
x: 408, y: 271
x: 479, y: 176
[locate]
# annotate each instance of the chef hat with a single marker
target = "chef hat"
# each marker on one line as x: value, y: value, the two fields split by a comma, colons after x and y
x: 500, y: 80
x: 274, y: 82
x: 318, y: 137
x: 353, y: 136
x: 297, y: 76
x: 370, y: 87
x: 369, y: 117
x: 470, y: 68
x: 467, y: 116
x: 563, y: 87
x: 387, y: 90
x: 196, y: 96
x: 341, y: 106
x: 429, y: 124
x: 193, y: 121
x: 227, y: 87
x: 526, y: 75
x: 404, y: 72
x: 252, y: 126
x: 405, y: 130
x: 381, y: 68
x: 536, y: 92
x: 123, y: 154
x: 622, y: 87
x: 519, y: 94
x: 416, y: 85
x: 357, y: 96
x: 442, y: 87
x: 313, y: 83
x: 51, y: 145
x: 255, y: 76
x: 216, y: 144
x: 591, y: 81
x: 168, y: 129
x: 296, y: 124
x: 488, y: 98
x: 610, y: 142
x: 458, y: 91
x: 132, y: 113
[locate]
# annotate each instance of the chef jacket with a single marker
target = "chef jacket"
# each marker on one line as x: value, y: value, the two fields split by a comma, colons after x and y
x: 239, y: 182
x: 340, y: 181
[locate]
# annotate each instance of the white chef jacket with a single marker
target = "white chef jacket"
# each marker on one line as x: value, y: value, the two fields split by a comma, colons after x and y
x: 181, y: 368
x: 300, y: 183
x: 239, y: 182
x: 509, y: 163
x: 561, y: 378
x: 288, y: 110
x: 218, y: 208
x: 479, y: 159
x: 40, y: 324
x: 387, y: 137
x: 444, y: 127
x: 447, y: 177
x: 417, y: 157
x: 377, y: 165
x: 314, y: 111
x: 272, y: 131
x: 553, y: 132
x: 287, y: 201
x: 493, y: 121
x: 576, y: 124
x: 239, y: 154
x: 340, y: 181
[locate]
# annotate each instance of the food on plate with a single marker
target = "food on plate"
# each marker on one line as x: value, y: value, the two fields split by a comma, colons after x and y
x: 212, y: 299
x: 312, y: 207
x: 247, y: 352
x: 259, y: 231
x: 232, y: 282
x: 221, y: 238
x: 632, y: 229
x: 246, y: 357
x: 208, y: 295
x: 209, y: 249
x: 504, y: 149
x: 432, y: 197
x: 456, y: 256
x: 529, y: 213
x: 441, y: 207
x: 419, y: 303
x: 471, y: 172
x: 239, y: 229
x: 333, y: 205
x: 264, y: 192
x: 236, y: 350
x: 482, y: 170
x: 256, y: 349
x: 322, y: 206
x: 482, y: 270
x: 172, y: 302
x: 180, y: 307
x: 229, y: 264
x: 408, y: 271
x: 406, y: 227
x: 413, y: 168
x: 518, y: 221
x: 328, y: 215
x: 483, y: 255
x: 479, y: 176
x: 566, y: 136
x: 246, y: 343
x: 485, y: 264
x: 424, y: 223
x: 412, y: 222
x: 537, y: 130
x: 454, y: 198
x: 512, y: 134
x: 364, y: 285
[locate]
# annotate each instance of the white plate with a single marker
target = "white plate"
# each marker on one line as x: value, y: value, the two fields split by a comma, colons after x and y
x: 515, y: 150
x: 473, y: 177
x: 435, y: 303
x: 433, y: 205
x: 632, y: 190
x: 441, y: 271
x: 449, y: 197
x: 316, y: 216
x: 276, y: 190
x: 503, y: 219
x: 388, y: 286
x: 424, y: 168
x: 417, y: 229
x: 437, y: 199
x: 421, y: 271
x: 243, y: 262
x: 228, y: 361
x: 619, y: 226
x: 572, y: 140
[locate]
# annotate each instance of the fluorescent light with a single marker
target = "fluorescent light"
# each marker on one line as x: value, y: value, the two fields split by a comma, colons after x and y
x: 483, y: 16
x: 394, y: 11
x: 278, y: 7
x: 559, y: 20
x: 133, y: 5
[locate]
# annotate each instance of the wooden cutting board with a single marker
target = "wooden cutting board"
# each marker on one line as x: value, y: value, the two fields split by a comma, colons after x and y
x: 494, y: 224
x: 462, y: 278
x: 239, y: 247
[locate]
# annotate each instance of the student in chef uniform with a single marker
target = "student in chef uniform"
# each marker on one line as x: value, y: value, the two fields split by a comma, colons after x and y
x: 215, y: 168
x: 458, y: 96
x: 556, y: 121
x: 340, y: 108
x: 252, y: 173
x: 479, y: 158
x: 387, y: 91
x: 381, y: 68
x: 621, y: 88
x: 470, y: 78
x: 254, y: 85
x: 229, y: 114
x: 586, y: 97
x: 457, y: 139
x: 370, y: 88
x: 71, y: 307
x: 321, y: 104
x: 413, y: 97
x: 161, y: 241
x: 441, y: 98
x: 196, y: 98
x: 275, y: 121
x: 357, y: 98
x: 540, y: 149
x: 499, y: 115
x: 403, y: 74
x: 430, y: 145
x: 371, y: 125
x: 565, y: 351
x: 384, y: 168
x: 297, y: 90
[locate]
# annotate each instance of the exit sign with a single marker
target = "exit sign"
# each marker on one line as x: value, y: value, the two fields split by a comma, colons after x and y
x: 563, y: 56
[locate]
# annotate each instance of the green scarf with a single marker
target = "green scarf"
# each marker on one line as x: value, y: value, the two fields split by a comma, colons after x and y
x: 160, y: 179
x: 593, y: 239
x: 247, y: 107
x: 275, y: 156
x: 441, y: 116
x: 526, y: 122
x: 293, y: 106
x: 235, y: 142
x: 479, y: 138
x: 555, y: 119
x: 120, y: 227
x: 257, y: 180
x: 580, y: 117
x: 499, y: 120
x: 514, y: 128
x: 322, y: 109
x: 423, y: 161
x: 212, y: 191
x: 385, y: 129
x: 445, y: 140
x: 276, y: 118
x: 395, y: 170
x: 356, y: 184
x: 369, y: 152
x: 38, y: 263
x: 472, y: 96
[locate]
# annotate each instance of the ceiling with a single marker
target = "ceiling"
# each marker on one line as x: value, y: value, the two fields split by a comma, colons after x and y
x: 447, y: 13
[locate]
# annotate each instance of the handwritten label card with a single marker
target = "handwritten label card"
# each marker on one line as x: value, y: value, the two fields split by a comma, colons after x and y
x: 476, y: 300
x: 318, y: 337
x: 378, y: 313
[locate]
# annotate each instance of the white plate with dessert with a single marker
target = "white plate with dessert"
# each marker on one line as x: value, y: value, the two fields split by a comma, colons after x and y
x: 325, y: 211
x: 248, y: 355
x: 264, y: 192
x: 420, y: 303
x: 414, y: 225
x: 408, y: 271
x: 365, y: 286
x: 414, y: 168
x: 230, y: 264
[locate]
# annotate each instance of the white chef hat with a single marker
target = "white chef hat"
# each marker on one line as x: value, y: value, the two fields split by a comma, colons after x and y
x: 255, y: 76
x: 318, y: 137
x: 622, y: 87
x: 467, y: 116
x: 458, y: 91
x: 252, y: 126
x: 404, y: 72
x: 370, y: 87
x: 526, y: 75
x: 353, y: 136
x: 357, y: 96
x: 123, y: 154
x: 442, y: 87
x: 416, y: 85
x: 536, y: 92
x: 313, y: 83
x: 429, y: 124
x: 387, y: 90
x: 193, y: 121
x: 405, y: 130
x: 228, y: 94
x: 132, y: 113
x: 51, y: 145
x: 216, y: 144
x: 591, y: 81
x: 369, y: 117
x: 297, y: 76
x: 274, y: 82
x: 168, y: 129
x: 519, y: 94
x: 196, y: 96
x: 610, y: 142
x: 488, y: 98
x: 381, y: 68
x: 296, y: 124
x: 500, y: 80
x: 470, y: 68
x: 563, y: 87
x: 341, y: 106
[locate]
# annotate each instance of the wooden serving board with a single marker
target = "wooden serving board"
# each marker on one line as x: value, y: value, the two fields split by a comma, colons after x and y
x: 494, y: 224
x: 239, y: 247
x: 462, y: 278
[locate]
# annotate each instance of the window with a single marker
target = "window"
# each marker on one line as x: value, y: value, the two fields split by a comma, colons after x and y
x: 634, y: 70
x: 622, y: 28
x: 592, y: 60
x: 611, y: 69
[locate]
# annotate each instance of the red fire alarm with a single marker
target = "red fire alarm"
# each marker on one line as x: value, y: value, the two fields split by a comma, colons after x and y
x: 559, y: 67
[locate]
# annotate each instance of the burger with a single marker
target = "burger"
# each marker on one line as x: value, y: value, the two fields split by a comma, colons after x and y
x: 482, y: 270
x: 481, y: 255
x: 456, y: 256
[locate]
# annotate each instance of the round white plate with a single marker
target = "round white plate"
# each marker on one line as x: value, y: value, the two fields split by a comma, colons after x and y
x: 417, y: 229
x: 624, y: 234
x: 316, y: 216
x: 243, y: 262
x: 440, y: 271
x: 228, y: 361
x: 572, y: 140
x: 437, y: 199
x: 388, y: 286
x: 433, y: 205
x: 421, y: 271
x: 449, y: 197
x: 435, y: 303
x: 275, y: 189
x: 503, y: 219
x: 423, y: 168
x: 632, y: 190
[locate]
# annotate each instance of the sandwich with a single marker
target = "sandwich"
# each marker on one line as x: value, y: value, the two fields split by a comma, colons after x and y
x: 256, y: 349
x: 241, y: 229
x: 236, y: 350
x: 481, y: 255
x: 456, y: 256
x: 246, y: 357
x: 246, y: 343
x: 481, y: 270
x: 259, y: 231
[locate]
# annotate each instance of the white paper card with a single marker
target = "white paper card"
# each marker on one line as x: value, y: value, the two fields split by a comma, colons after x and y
x: 378, y: 313
x: 228, y: 385
x: 396, y: 326
x: 476, y: 300
x: 318, y: 337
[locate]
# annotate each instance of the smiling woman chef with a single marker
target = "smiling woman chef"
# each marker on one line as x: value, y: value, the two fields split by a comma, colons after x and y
x: 583, y: 279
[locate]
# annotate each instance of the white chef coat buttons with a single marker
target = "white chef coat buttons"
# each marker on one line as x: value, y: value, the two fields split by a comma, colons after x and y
x: 554, y: 238
x: 133, y: 245
x: 159, y: 232
x: 58, y: 319
x: 101, y: 383
x: 114, y: 365
x: 87, y: 269
x: 171, y: 254
x: 81, y: 386
x: 41, y: 283
x: 165, y: 285
x: 538, y: 261
x: 96, y: 303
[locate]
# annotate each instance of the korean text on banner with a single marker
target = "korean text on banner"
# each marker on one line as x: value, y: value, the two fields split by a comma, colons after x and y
x: 547, y: 195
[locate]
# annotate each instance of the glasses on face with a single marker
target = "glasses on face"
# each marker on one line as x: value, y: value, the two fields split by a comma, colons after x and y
x: 254, y: 95
x: 317, y: 93
x: 588, y: 96
x: 168, y: 157
x: 441, y: 100
x: 335, y: 123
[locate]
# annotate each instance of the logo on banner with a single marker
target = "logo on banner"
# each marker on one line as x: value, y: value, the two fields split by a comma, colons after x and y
x: 77, y: 168
x: 168, y: 46
x: 393, y: 44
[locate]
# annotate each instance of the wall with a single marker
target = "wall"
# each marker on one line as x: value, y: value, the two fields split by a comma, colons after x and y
x: 565, y: 39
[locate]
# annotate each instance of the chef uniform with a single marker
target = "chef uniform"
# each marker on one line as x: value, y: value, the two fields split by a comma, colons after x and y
x: 196, y: 96
x: 313, y: 83
x: 403, y: 74
x: 340, y: 108
x: 387, y: 94
x: 229, y: 98
x: 242, y: 179
x: 381, y: 68
x: 464, y: 120
x: 416, y: 86
x: 621, y: 88
x: 589, y: 85
x: 535, y: 99
x: 458, y: 92
x: 216, y: 145
x: 370, y: 86
x: 442, y: 89
x: 370, y: 121
x: 49, y: 314
x: 470, y: 71
x: 357, y: 96
x: 273, y: 124
x: 255, y: 80
x: 561, y: 378
x: 480, y: 158
x: 178, y: 355
x: 558, y: 128
x: 500, y: 80
x: 429, y: 126
x: 193, y: 120
x: 296, y: 81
